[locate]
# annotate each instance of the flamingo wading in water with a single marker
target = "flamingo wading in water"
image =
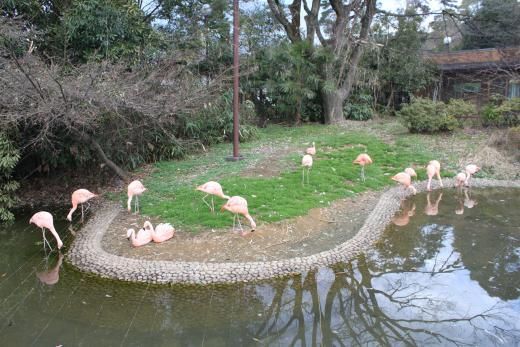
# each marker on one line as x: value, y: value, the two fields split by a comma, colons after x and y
x: 238, y: 205
x: 44, y: 221
x: 135, y: 188
x: 212, y: 188
x: 79, y: 196
x: 363, y: 159
x: 311, y: 150
x: 405, y: 180
x: 460, y: 179
x: 162, y: 232
x: 306, y: 163
x: 433, y: 168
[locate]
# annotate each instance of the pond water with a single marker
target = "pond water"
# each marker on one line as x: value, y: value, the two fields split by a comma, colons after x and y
x: 446, y: 273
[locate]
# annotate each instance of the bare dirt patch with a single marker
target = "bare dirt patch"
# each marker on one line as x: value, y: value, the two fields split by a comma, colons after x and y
x: 273, y: 162
x: 321, y: 229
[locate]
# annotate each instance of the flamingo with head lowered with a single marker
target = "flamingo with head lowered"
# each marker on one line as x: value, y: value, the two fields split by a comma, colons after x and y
x: 363, y: 159
x: 79, y: 196
x: 405, y: 180
x: 162, y: 232
x: 433, y: 168
x: 311, y: 150
x: 44, y: 221
x: 135, y: 188
x: 471, y: 169
x: 212, y: 188
x: 238, y: 205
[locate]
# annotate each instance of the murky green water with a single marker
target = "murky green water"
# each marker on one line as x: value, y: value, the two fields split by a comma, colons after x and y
x: 446, y: 279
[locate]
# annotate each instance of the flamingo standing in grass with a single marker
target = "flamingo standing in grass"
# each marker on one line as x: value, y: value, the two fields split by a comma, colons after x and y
x: 460, y: 179
x: 363, y: 159
x: 306, y: 163
x: 142, y: 237
x: 135, y: 188
x: 433, y: 168
x: 79, y: 196
x: 212, y: 188
x: 162, y: 232
x: 44, y: 221
x: 405, y: 180
x: 410, y: 172
x: 471, y: 169
x: 311, y: 150
x: 238, y: 205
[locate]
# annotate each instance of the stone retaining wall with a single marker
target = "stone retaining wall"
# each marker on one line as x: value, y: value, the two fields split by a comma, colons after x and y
x: 87, y: 254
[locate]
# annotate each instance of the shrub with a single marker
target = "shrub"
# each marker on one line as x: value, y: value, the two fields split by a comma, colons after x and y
x: 426, y: 116
x: 9, y: 157
x: 360, y: 107
x: 506, y: 114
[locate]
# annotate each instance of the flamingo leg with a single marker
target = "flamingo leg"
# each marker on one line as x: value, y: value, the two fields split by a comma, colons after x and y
x: 204, y: 199
x: 136, y: 204
x: 240, y: 224
x: 308, y: 174
x: 428, y: 186
x: 363, y: 173
x: 212, y: 205
x: 45, y: 240
x: 303, y: 176
x: 234, y: 217
x: 439, y: 178
x: 82, y: 213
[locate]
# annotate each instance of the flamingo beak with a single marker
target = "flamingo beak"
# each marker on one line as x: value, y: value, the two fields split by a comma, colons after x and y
x: 222, y: 208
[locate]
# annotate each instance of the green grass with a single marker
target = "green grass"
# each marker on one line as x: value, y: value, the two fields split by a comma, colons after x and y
x: 172, y: 196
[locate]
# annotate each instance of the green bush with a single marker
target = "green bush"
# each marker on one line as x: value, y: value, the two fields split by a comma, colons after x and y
x: 426, y: 116
x: 505, y: 114
x: 9, y: 157
x: 359, y: 107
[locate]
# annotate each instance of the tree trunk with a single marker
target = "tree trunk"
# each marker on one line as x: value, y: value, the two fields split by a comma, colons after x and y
x: 333, y: 106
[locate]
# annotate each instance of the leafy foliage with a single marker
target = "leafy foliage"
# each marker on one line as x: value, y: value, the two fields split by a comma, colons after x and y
x: 9, y: 157
x: 505, y: 113
x: 426, y: 116
x: 359, y: 107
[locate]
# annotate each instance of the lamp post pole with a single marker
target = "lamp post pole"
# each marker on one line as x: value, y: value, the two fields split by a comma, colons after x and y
x: 236, y: 156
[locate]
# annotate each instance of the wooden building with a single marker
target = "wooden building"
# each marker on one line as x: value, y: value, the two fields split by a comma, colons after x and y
x: 477, y: 75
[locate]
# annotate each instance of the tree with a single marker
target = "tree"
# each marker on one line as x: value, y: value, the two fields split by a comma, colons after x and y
x: 342, y: 30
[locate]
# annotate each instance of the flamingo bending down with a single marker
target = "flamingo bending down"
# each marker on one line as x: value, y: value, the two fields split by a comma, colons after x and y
x: 410, y: 172
x: 311, y: 150
x: 363, y: 159
x: 212, y: 188
x: 161, y: 233
x: 51, y: 276
x: 460, y: 179
x: 433, y: 168
x: 306, y: 163
x: 238, y: 205
x: 143, y: 237
x: 79, y: 196
x: 44, y: 221
x: 405, y: 180
x: 135, y: 188
x: 471, y: 169
x: 432, y: 209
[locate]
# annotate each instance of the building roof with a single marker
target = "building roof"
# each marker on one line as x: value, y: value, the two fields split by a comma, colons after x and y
x: 476, y: 59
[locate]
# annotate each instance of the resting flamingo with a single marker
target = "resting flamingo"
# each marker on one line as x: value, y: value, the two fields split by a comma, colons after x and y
x: 471, y: 169
x: 238, y: 205
x: 410, y: 172
x: 405, y: 180
x: 142, y: 237
x: 162, y: 232
x: 79, y: 196
x: 212, y: 188
x: 311, y: 150
x: 306, y: 163
x: 135, y: 188
x: 433, y: 168
x: 363, y: 159
x: 460, y: 179
x: 44, y: 221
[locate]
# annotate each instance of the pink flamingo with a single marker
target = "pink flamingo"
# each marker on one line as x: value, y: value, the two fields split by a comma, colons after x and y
x: 161, y: 233
x: 212, y: 188
x: 306, y: 163
x: 143, y: 237
x: 44, y: 221
x: 51, y: 276
x: 432, y: 209
x: 363, y: 159
x: 405, y: 180
x: 238, y: 205
x: 471, y: 169
x: 79, y: 196
x: 460, y: 179
x: 410, y: 172
x: 135, y: 188
x: 311, y: 150
x: 433, y: 168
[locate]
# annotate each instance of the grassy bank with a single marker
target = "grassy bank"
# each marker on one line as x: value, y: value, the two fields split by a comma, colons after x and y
x: 173, y: 198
